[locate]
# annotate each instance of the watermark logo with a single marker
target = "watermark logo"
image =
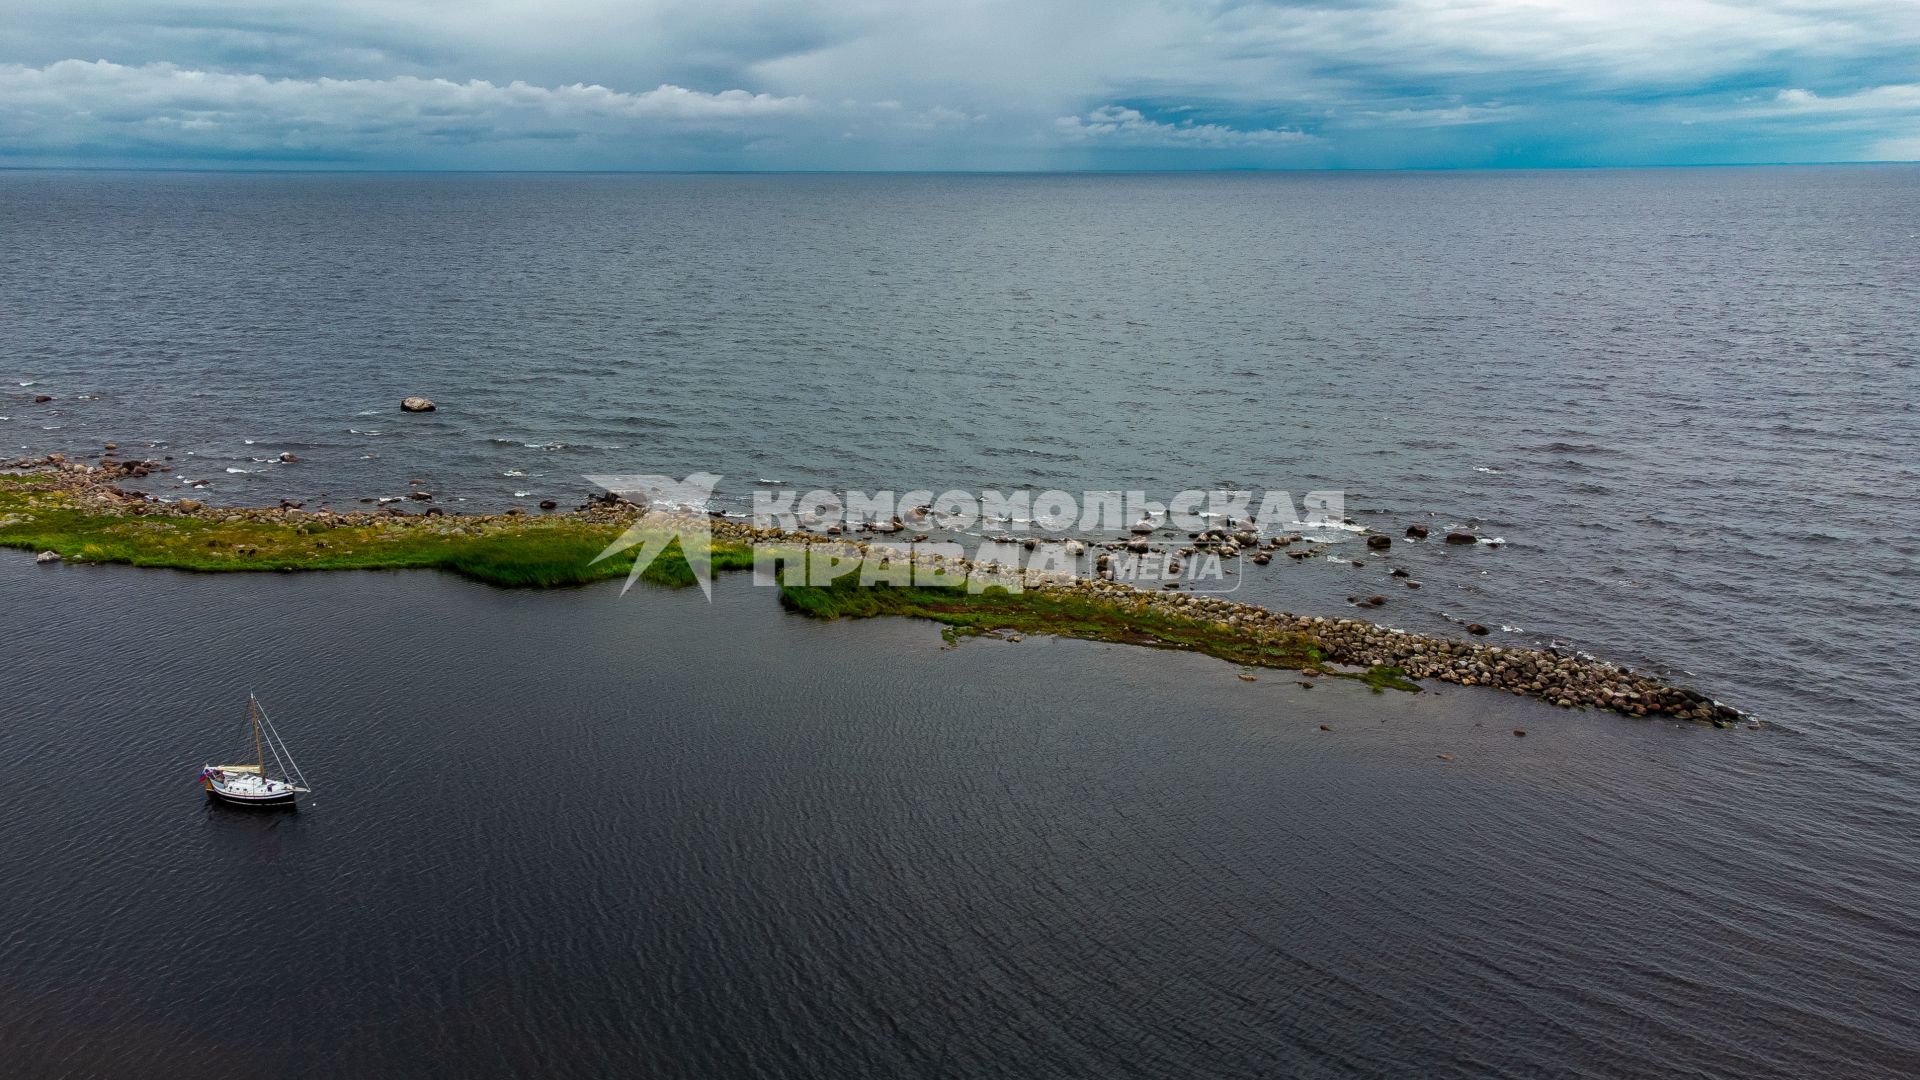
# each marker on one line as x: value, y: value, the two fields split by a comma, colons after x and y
x: 1198, y: 540
x: 692, y: 529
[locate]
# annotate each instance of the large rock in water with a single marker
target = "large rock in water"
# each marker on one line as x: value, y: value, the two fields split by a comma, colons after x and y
x: 1462, y: 538
x: 417, y: 404
x: 47, y: 557
x: 1379, y: 543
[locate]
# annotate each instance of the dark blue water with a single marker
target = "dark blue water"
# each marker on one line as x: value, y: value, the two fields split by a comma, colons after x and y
x: 575, y: 834
x: 1683, y: 397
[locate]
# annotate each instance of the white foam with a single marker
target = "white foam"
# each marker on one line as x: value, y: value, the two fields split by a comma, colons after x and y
x: 234, y: 470
x: 513, y: 472
x: 521, y: 494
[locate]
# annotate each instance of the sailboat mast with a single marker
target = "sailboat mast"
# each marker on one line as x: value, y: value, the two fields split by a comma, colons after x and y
x: 253, y: 713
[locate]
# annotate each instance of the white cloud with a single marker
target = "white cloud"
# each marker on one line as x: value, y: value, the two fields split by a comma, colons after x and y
x: 1900, y: 98
x: 1441, y: 116
x: 1895, y: 148
x: 74, y: 102
x: 1119, y: 125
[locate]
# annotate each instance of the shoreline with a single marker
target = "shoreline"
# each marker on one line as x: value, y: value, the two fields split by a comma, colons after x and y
x: 77, y: 512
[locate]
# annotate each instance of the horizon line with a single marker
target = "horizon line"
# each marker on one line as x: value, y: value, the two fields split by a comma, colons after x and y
x: 322, y: 169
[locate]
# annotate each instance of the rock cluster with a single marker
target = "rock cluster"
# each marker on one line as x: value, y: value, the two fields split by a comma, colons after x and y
x: 1568, y: 681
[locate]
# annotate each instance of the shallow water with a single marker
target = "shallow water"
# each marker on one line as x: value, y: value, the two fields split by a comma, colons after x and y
x: 571, y: 834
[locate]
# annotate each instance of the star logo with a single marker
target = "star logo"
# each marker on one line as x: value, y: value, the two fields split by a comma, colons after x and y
x: 690, y: 527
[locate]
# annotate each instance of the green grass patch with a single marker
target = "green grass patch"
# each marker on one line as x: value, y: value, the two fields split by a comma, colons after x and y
x: 1383, y: 677
x: 1059, y: 612
x: 38, y: 514
x: 523, y: 552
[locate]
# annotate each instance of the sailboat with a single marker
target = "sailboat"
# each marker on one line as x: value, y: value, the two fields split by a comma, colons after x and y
x: 253, y: 785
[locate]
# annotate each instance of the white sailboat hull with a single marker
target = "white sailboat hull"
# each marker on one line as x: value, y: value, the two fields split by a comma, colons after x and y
x: 248, y: 788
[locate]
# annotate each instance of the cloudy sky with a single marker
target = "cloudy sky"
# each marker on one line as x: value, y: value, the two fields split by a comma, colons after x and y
x: 966, y: 84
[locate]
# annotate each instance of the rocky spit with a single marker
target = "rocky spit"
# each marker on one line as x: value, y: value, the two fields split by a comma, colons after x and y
x: 1559, y: 679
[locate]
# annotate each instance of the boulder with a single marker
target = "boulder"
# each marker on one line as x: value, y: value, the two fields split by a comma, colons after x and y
x: 42, y: 399
x: 289, y: 457
x: 1477, y: 630
x: 1462, y: 538
x: 1379, y: 543
x: 548, y: 504
x: 1416, y: 532
x: 47, y: 557
x: 417, y: 404
x: 422, y: 496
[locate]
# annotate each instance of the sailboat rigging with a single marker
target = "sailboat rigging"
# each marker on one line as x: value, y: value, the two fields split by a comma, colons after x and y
x: 254, y: 784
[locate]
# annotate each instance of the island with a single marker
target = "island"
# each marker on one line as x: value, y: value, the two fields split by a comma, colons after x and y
x: 78, y: 512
